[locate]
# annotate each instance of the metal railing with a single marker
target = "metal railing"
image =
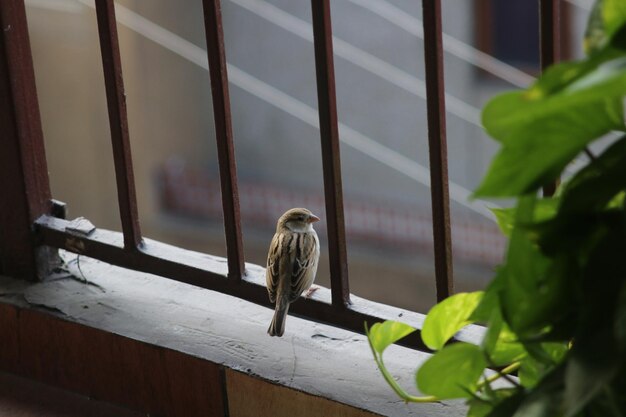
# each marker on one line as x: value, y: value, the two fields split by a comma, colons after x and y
x: 31, y: 222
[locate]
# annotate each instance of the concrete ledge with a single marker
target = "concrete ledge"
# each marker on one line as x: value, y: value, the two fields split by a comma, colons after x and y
x: 313, y: 359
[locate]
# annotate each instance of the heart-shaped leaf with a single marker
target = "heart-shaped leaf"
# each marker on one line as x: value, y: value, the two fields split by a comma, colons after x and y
x: 453, y: 372
x: 381, y: 335
x: 448, y: 317
x: 544, y: 128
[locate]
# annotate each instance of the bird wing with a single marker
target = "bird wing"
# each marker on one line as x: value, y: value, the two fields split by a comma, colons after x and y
x: 292, y: 255
x: 304, y: 264
x: 273, y: 267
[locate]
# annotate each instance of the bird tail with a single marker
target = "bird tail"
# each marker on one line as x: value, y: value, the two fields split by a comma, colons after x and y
x: 277, y: 326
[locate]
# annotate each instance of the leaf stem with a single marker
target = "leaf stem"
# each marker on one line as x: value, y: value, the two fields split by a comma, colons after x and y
x: 430, y: 398
x: 511, y: 368
x: 392, y: 382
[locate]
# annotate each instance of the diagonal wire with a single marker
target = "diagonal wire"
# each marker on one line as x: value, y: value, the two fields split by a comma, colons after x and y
x: 451, y: 45
x: 358, y: 57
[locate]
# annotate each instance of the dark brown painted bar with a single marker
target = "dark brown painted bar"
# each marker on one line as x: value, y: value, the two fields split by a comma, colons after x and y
x: 436, y: 112
x: 331, y: 162
x: 549, y: 47
x: 118, y: 122
x: 24, y: 184
x: 224, y: 137
x: 550, y: 33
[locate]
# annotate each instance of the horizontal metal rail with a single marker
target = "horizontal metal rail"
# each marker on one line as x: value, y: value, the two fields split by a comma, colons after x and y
x: 211, y: 273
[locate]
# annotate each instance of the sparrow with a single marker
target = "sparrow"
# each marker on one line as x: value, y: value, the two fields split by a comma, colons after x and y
x: 291, y: 263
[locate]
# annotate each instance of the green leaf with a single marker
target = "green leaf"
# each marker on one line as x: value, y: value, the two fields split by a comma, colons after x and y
x: 617, y: 202
x: 533, y: 369
x: 453, y: 372
x: 598, y: 183
x: 490, y: 301
x: 596, y: 357
x: 538, y: 151
x: 479, y: 407
x: 505, y: 219
x: 545, y: 399
x: 508, y: 406
x: 381, y: 335
x: 545, y: 209
x: 539, y: 405
x: 507, y: 348
x: 613, y: 15
x: 530, y: 372
x: 560, y: 76
x: 500, y: 344
x: 586, y: 380
x: 564, y: 86
x: 527, y: 296
x: 493, y: 332
x: 595, y: 35
x: 543, y: 128
x: 448, y: 317
x: 606, y: 23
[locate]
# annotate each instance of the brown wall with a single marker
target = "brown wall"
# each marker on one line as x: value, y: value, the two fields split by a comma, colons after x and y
x: 140, y: 376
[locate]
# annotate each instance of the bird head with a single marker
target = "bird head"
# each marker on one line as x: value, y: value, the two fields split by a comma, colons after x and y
x: 297, y: 220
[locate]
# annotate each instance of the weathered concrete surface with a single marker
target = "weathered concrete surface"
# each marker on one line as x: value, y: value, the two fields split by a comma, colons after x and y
x: 311, y: 357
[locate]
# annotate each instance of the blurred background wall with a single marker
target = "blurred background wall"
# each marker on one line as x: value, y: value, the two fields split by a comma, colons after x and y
x: 381, y: 105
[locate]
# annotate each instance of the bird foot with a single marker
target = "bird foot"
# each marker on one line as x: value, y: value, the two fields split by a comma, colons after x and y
x: 310, y: 291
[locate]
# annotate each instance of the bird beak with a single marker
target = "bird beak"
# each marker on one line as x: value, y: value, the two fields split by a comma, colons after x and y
x: 313, y: 218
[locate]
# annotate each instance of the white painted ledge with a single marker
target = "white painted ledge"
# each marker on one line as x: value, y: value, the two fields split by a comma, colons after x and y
x: 315, y: 358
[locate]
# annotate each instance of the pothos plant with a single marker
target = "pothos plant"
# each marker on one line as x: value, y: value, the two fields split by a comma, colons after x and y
x: 555, y: 312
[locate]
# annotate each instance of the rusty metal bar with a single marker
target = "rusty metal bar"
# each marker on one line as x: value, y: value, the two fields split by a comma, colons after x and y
x: 118, y: 122
x: 436, y: 112
x: 329, y: 132
x: 224, y: 137
x: 23, y: 169
x: 550, y: 48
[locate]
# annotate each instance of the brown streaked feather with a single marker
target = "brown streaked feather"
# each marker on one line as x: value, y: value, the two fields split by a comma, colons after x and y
x: 272, y: 271
x: 294, y: 260
x: 301, y: 277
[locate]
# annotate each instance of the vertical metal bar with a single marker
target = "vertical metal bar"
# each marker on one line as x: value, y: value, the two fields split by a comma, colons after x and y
x: 550, y: 33
x: 329, y: 132
x: 224, y: 137
x: 436, y: 112
x: 550, y: 48
x: 118, y: 122
x: 24, y: 185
